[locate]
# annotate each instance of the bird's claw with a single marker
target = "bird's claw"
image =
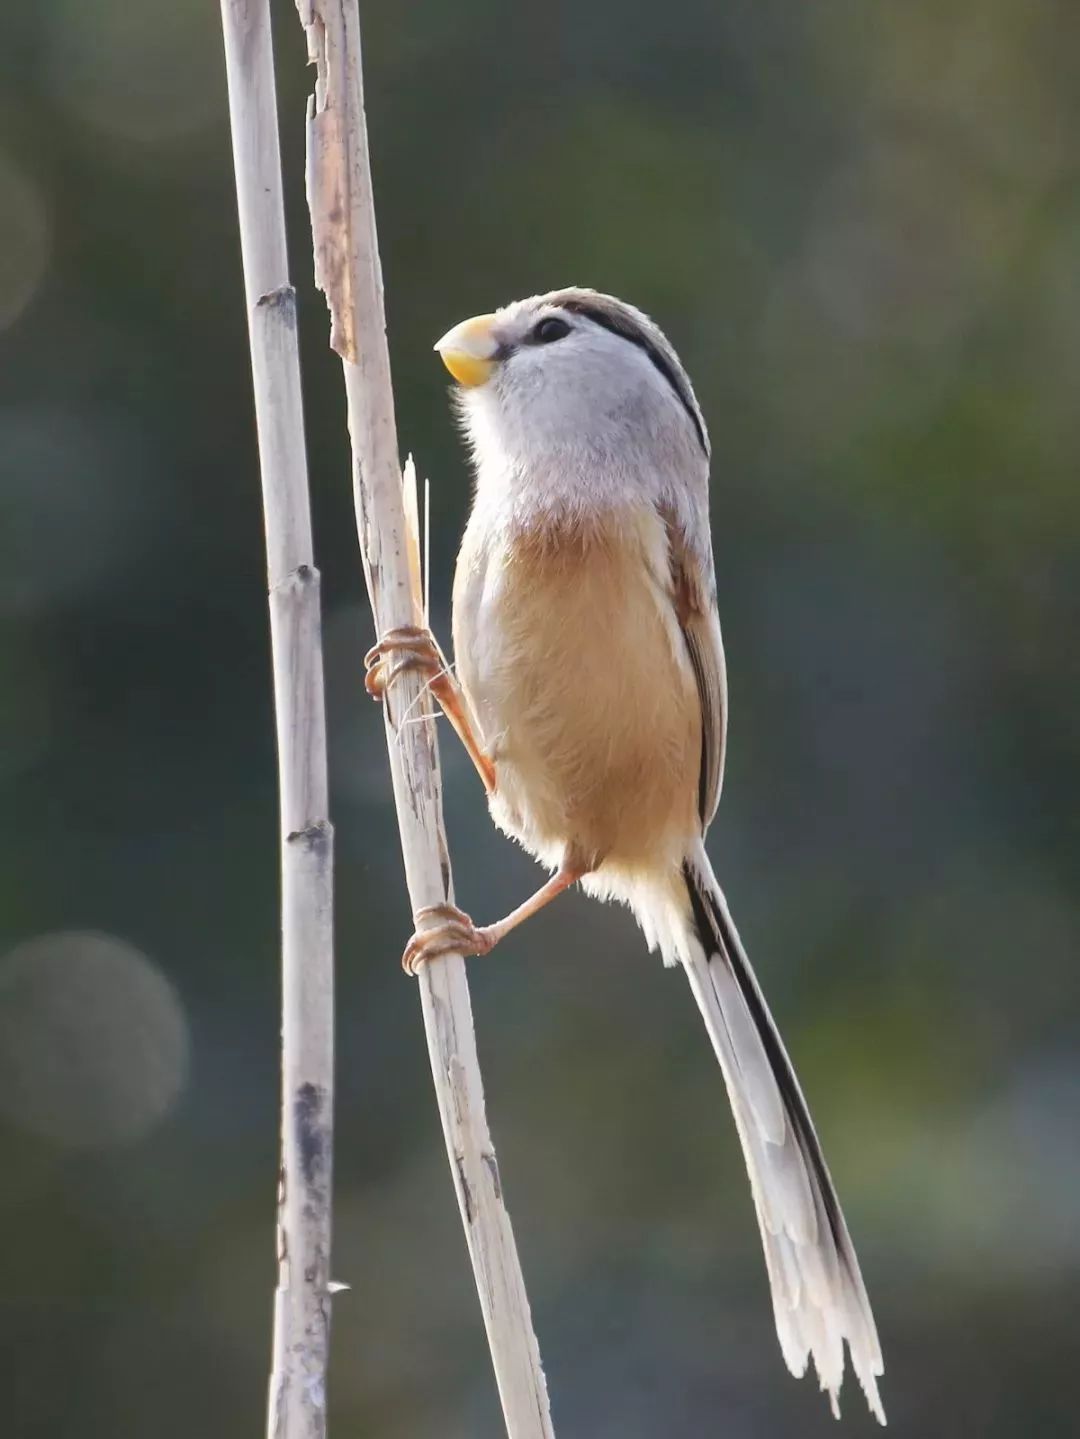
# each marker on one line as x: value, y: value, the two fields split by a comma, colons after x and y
x: 455, y: 934
x: 419, y: 650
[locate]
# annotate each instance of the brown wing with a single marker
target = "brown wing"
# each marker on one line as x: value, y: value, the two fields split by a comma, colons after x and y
x: 694, y: 596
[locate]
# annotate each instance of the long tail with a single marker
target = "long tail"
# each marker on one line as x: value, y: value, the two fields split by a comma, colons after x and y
x: 817, y: 1291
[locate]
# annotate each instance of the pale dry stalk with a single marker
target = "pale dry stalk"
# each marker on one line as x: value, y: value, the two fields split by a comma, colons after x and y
x: 347, y: 268
x: 297, y: 1407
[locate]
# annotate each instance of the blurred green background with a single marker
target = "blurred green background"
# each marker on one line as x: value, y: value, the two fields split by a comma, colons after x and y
x: 860, y: 225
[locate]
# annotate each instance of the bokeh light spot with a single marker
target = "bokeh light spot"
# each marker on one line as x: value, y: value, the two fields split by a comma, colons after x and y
x: 25, y: 241
x: 136, y: 72
x: 94, y: 1041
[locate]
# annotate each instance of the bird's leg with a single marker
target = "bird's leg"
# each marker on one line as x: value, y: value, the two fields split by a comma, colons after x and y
x: 420, y: 651
x: 456, y: 933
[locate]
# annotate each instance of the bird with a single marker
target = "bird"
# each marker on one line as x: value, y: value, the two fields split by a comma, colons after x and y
x: 589, y: 687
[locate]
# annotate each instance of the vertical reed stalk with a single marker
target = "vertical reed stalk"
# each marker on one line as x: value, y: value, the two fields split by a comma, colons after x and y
x: 297, y: 1407
x: 347, y: 268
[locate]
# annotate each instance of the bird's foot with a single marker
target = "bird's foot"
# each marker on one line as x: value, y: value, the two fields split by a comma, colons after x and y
x: 454, y: 934
x: 419, y: 650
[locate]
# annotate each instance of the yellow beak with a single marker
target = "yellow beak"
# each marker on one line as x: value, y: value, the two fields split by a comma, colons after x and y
x: 468, y: 350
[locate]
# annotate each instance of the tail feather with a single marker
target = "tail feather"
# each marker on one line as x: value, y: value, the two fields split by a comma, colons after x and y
x: 819, y: 1300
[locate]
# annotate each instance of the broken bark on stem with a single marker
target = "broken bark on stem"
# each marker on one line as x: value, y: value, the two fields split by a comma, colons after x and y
x: 347, y: 268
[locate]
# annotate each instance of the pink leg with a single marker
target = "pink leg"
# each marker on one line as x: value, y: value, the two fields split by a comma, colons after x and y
x: 458, y: 935
x: 421, y: 651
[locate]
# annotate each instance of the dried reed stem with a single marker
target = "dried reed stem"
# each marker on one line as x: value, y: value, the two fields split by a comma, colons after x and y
x: 297, y: 1408
x: 347, y: 268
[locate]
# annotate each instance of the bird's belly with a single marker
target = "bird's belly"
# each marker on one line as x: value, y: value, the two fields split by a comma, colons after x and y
x: 577, y: 672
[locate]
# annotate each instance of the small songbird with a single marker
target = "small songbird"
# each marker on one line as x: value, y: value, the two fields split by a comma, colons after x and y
x: 592, y: 697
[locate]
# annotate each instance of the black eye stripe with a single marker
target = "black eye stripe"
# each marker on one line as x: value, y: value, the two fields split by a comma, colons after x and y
x: 616, y: 326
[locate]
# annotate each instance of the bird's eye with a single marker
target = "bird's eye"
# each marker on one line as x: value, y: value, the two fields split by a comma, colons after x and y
x: 549, y: 330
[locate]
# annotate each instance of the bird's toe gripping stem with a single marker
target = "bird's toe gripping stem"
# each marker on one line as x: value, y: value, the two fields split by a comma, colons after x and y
x: 418, y: 649
x: 453, y: 933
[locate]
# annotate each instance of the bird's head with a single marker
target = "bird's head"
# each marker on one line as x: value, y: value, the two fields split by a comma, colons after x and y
x: 573, y: 373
